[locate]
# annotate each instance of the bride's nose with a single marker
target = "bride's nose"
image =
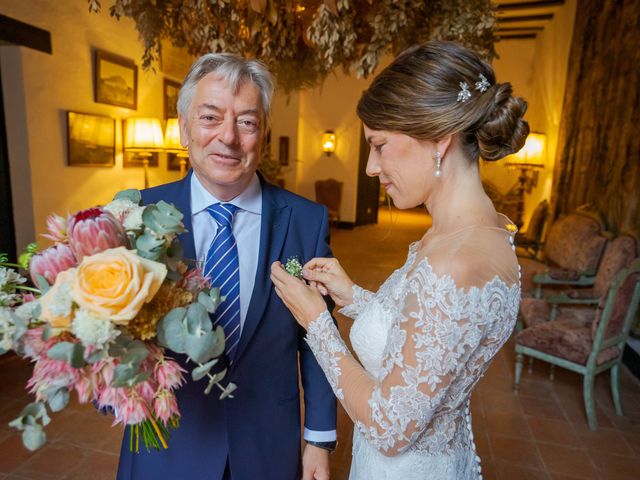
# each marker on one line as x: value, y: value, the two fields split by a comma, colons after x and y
x: 373, y: 166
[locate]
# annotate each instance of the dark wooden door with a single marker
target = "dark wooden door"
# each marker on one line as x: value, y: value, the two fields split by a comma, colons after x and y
x: 7, y: 227
x: 368, y: 188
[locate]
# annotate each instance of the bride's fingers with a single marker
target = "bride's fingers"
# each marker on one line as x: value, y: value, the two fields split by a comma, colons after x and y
x: 319, y: 263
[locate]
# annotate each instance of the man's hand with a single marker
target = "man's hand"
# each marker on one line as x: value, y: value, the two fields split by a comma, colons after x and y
x: 315, y: 463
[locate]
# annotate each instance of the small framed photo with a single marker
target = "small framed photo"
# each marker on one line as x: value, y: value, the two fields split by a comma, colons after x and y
x: 170, y: 95
x: 91, y: 140
x: 173, y: 162
x: 115, y: 80
x: 283, y: 151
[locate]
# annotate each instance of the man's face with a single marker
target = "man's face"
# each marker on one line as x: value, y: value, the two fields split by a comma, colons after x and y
x: 223, y: 132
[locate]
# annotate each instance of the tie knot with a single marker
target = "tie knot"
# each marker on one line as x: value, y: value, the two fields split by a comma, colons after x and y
x: 222, y: 213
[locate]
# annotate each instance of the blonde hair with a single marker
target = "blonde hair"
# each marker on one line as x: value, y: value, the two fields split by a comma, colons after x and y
x: 417, y: 95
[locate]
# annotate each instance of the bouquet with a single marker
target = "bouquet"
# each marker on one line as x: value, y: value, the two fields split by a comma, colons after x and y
x: 109, y: 297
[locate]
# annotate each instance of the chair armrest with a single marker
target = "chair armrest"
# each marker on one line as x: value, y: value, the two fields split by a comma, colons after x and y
x: 563, y: 298
x: 582, y: 281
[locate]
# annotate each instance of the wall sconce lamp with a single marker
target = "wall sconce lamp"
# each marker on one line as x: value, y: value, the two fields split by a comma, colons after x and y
x: 143, y: 137
x: 172, y: 144
x: 530, y: 161
x: 328, y: 142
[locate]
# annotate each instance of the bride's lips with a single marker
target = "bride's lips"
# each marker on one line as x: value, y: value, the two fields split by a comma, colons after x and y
x: 386, y: 185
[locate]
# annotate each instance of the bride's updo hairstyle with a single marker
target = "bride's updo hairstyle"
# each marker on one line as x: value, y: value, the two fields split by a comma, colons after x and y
x: 439, y: 89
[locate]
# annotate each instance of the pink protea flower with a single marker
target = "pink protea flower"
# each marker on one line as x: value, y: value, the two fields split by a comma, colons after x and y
x: 132, y: 409
x: 94, y: 230
x: 194, y: 281
x: 33, y: 344
x: 165, y: 406
x: 146, y: 390
x: 50, y: 262
x: 57, y: 227
x: 169, y: 374
x: 84, y: 388
x: 51, y: 373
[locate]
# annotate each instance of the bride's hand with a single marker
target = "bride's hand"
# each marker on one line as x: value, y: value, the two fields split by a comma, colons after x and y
x: 303, y: 301
x: 330, y: 278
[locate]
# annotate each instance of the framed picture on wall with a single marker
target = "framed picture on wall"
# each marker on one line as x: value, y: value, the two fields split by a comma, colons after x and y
x: 115, y: 80
x: 283, y: 151
x: 91, y: 140
x: 170, y: 95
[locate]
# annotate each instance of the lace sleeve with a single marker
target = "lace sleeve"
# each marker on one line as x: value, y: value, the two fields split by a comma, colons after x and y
x: 360, y: 298
x: 434, y: 341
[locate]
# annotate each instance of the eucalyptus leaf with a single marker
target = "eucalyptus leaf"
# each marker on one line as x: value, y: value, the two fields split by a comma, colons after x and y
x: 149, y: 246
x: 202, y: 370
x: 41, y: 283
x: 172, y: 330
x: 95, y: 356
x: 72, y: 353
x: 33, y: 437
x: 58, y: 400
x: 218, y: 348
x: 131, y: 194
x: 232, y: 387
x: 46, y: 332
x: 207, y: 302
x: 128, y: 376
x: 198, y: 320
x: 199, y: 348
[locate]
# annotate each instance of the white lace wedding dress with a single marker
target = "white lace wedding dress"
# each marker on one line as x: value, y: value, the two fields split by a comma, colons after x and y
x: 424, y: 339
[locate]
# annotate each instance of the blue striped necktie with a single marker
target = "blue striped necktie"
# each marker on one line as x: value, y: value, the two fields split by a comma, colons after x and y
x: 222, y: 267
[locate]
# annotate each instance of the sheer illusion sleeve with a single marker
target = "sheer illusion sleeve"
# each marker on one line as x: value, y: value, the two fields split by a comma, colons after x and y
x: 360, y: 298
x: 434, y: 355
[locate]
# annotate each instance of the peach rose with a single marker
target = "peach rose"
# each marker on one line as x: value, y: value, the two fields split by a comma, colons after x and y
x: 116, y: 283
x: 56, y: 305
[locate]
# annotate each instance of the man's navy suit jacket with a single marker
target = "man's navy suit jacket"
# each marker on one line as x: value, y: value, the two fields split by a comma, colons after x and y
x: 258, y: 430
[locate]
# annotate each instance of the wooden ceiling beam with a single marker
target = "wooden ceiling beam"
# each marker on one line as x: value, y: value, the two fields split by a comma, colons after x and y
x: 526, y: 18
x: 527, y: 5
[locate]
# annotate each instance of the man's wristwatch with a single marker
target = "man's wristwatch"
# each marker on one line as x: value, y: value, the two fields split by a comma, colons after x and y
x: 330, y: 446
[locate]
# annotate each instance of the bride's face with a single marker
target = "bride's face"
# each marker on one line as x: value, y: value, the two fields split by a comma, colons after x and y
x: 404, y: 165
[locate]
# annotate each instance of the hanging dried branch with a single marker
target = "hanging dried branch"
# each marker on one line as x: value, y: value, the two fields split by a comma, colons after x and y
x: 303, y: 40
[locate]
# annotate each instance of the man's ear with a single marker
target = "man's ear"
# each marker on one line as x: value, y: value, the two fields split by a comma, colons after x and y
x: 184, y: 133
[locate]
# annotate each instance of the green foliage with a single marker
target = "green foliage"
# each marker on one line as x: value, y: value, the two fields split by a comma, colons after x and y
x: 302, y: 42
x: 31, y: 421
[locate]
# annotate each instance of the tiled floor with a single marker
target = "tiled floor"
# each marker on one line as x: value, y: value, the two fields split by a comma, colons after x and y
x: 539, y: 434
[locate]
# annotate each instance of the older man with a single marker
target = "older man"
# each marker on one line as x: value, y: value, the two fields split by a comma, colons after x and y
x: 238, y: 225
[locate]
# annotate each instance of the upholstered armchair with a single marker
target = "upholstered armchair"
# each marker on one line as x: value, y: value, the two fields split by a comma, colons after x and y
x: 529, y: 242
x: 589, y: 340
x: 619, y: 253
x: 572, y: 251
x: 329, y: 193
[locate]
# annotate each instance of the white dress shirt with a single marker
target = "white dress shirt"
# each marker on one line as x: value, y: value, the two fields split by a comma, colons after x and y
x: 246, y: 231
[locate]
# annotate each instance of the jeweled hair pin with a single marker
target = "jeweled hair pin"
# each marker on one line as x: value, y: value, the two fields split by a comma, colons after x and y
x: 482, y: 85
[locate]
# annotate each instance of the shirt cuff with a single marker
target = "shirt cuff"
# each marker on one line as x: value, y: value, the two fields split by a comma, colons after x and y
x: 316, y: 436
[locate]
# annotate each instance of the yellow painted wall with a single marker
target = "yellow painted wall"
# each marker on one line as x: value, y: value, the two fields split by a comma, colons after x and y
x: 39, y: 88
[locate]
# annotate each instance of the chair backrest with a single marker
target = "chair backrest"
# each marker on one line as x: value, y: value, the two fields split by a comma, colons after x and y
x: 575, y: 242
x: 618, y: 254
x: 536, y: 224
x: 617, y: 311
x: 329, y: 193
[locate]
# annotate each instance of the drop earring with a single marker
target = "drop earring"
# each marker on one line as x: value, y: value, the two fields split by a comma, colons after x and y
x: 438, y: 158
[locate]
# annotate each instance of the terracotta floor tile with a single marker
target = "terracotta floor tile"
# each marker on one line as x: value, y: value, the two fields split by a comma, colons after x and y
x: 604, y: 441
x: 483, y: 449
x: 13, y: 454
x: 504, y: 402
x: 515, y: 450
x: 513, y: 424
x: 537, y: 407
x: 553, y: 431
x: 488, y: 471
x: 51, y: 462
x: 509, y: 471
x: 567, y: 461
x: 615, y: 466
x: 101, y: 465
x: 562, y: 476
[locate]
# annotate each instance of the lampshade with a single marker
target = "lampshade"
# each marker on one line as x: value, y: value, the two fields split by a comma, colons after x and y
x: 143, y: 135
x: 329, y: 142
x: 172, y: 137
x: 534, y: 150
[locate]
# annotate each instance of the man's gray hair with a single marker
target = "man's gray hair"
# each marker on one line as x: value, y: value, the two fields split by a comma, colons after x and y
x: 236, y: 70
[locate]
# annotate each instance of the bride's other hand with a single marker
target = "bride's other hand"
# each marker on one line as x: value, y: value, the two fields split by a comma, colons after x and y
x: 303, y: 301
x: 330, y: 278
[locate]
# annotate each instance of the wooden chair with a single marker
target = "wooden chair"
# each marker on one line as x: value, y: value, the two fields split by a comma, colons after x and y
x: 587, y: 341
x: 572, y: 252
x: 329, y: 193
x: 529, y: 243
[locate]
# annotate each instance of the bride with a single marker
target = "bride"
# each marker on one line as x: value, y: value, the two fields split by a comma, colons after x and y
x: 425, y: 338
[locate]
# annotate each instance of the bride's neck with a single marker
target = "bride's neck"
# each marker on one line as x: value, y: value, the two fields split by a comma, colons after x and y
x: 458, y: 199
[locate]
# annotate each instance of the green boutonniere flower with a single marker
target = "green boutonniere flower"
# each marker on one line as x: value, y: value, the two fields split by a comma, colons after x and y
x: 293, y: 267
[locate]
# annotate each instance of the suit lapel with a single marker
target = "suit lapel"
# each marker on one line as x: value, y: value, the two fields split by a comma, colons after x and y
x: 183, y: 203
x: 273, y: 231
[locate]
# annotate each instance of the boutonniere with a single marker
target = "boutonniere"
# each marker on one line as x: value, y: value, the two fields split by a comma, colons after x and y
x: 294, y: 267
